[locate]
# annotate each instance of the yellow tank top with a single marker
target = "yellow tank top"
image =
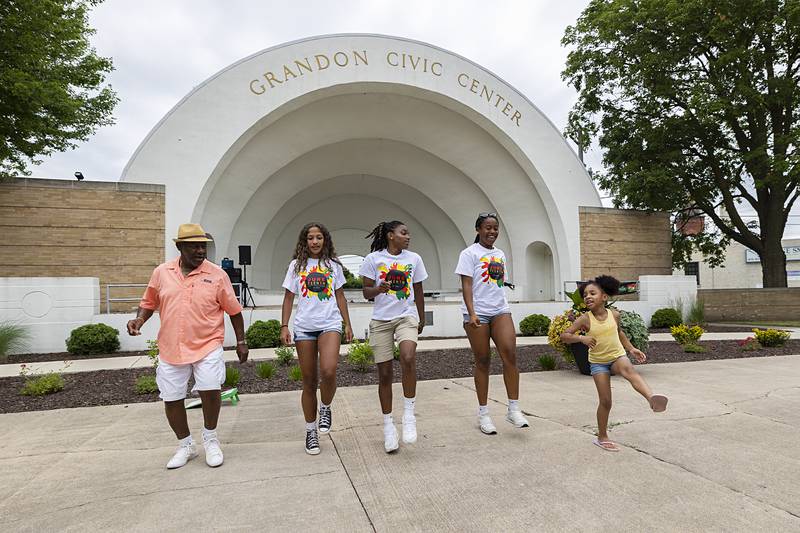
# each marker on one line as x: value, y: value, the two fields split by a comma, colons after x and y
x: 608, y: 347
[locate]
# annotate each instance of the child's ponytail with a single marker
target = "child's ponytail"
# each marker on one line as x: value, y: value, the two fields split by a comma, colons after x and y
x: 379, y: 235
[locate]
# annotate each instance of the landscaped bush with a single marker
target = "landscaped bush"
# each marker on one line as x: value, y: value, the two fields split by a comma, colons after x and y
x: 152, y: 352
x: 694, y: 348
x: 41, y: 385
x: 559, y: 325
x: 665, y: 318
x: 686, y: 334
x: 360, y: 356
x: 396, y: 352
x: 146, y: 385
x: 93, y: 339
x: 13, y: 337
x: 265, y: 370
x: 284, y: 355
x: 750, y: 344
x: 535, y: 325
x: 769, y: 338
x: 231, y: 377
x: 294, y: 373
x: 263, y: 334
x: 547, y: 362
x: 635, y: 329
x: 697, y: 313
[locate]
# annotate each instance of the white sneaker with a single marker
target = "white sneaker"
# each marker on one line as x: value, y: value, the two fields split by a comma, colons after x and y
x: 516, y: 418
x: 182, y: 456
x: 486, y: 425
x: 409, y: 429
x: 213, y: 452
x: 390, y: 443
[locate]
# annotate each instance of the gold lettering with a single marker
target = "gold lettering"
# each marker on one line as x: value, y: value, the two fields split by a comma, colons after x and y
x: 260, y: 86
x: 485, y: 91
x: 404, y: 61
x: 462, y: 75
x: 346, y: 59
x: 286, y: 72
x: 270, y: 77
x: 425, y: 65
x: 474, y: 86
x: 359, y: 56
x: 506, y: 109
x: 411, y: 60
x: 300, y: 66
x: 319, y: 64
x: 390, y: 54
x: 499, y: 99
x: 516, y: 116
x: 440, y: 69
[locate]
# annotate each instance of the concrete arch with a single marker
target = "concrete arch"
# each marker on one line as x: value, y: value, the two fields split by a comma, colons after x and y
x: 541, y: 280
x: 231, y: 156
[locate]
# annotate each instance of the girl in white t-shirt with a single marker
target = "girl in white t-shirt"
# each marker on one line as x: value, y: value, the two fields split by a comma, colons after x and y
x: 482, y: 268
x: 393, y: 277
x: 316, y: 277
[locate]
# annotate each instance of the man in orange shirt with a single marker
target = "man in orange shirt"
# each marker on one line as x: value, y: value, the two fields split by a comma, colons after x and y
x: 191, y: 295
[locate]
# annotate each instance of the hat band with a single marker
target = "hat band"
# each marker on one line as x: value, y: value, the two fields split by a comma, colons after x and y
x: 191, y: 237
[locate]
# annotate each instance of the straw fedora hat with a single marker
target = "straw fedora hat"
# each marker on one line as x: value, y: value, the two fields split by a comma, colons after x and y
x: 192, y: 233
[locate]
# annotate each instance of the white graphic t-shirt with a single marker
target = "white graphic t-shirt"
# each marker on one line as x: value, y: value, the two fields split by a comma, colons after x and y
x: 487, y: 267
x: 314, y: 287
x: 401, y: 272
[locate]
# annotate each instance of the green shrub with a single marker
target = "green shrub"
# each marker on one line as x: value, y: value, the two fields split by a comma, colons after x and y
x: 351, y: 281
x: 547, y: 362
x: 665, y: 318
x: 265, y: 370
x: 769, y: 338
x: 294, y: 373
x: 284, y: 355
x: 263, y: 334
x: 231, y: 377
x: 152, y: 352
x: 635, y: 329
x: 686, y: 334
x: 697, y: 313
x: 750, y: 344
x: 534, y: 325
x: 146, y: 385
x: 360, y: 356
x: 694, y: 348
x: 93, y: 339
x: 343, y: 340
x: 13, y: 338
x: 396, y: 352
x: 41, y: 385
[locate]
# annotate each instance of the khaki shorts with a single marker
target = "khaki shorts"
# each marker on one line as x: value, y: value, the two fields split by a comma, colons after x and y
x: 382, y: 335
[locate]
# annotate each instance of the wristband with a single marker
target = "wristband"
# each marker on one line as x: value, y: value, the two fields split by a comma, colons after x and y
x: 284, y: 326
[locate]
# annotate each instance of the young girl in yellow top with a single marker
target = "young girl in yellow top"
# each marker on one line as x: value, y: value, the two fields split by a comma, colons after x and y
x: 607, y: 345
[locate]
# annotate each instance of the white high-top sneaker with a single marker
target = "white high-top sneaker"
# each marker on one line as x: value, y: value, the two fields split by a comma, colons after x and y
x: 182, y: 456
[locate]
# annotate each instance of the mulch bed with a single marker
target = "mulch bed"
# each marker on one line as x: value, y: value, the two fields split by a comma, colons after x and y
x: 109, y: 387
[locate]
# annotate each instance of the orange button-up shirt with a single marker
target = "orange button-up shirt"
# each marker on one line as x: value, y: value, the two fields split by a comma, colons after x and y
x: 191, y: 308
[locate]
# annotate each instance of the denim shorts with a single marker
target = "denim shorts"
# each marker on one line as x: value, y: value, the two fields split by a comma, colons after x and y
x: 313, y: 335
x: 486, y: 319
x: 601, y: 368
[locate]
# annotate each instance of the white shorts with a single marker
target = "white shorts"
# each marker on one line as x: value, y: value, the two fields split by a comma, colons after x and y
x: 172, y: 380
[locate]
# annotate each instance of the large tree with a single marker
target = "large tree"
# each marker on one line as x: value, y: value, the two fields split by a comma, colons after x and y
x: 696, y: 104
x: 52, y: 83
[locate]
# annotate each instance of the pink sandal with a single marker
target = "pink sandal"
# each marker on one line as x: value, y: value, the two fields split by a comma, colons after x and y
x: 607, y: 445
x: 658, y: 402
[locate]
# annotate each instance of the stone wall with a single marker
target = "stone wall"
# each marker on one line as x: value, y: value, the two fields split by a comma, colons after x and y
x: 751, y: 305
x: 63, y: 228
x: 624, y: 243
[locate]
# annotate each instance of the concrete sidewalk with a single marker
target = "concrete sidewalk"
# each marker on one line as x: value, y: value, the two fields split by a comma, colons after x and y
x: 722, y: 458
x: 116, y: 363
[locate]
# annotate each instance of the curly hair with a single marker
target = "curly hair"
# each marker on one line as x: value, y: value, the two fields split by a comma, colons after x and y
x: 379, y: 235
x: 607, y: 284
x: 301, y: 253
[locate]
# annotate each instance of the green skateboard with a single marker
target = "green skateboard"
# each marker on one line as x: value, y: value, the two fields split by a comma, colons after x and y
x: 230, y: 394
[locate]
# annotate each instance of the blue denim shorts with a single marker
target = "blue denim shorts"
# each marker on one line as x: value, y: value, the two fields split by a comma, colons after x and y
x: 485, y: 319
x: 601, y: 368
x: 313, y: 335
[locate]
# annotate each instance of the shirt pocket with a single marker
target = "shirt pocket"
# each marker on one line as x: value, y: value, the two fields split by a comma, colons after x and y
x: 204, y: 297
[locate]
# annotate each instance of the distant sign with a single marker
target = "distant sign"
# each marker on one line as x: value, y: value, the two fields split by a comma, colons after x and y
x: 792, y: 254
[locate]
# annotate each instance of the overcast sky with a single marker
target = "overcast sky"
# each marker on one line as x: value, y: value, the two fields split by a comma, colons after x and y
x: 162, y: 49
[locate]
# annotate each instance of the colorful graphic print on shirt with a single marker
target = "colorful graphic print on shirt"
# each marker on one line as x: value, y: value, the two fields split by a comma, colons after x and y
x: 493, y: 270
x: 317, y: 281
x: 399, y: 279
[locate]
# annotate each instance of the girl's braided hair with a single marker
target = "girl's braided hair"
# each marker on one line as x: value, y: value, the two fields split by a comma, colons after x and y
x: 479, y: 221
x: 379, y: 235
x: 301, y: 253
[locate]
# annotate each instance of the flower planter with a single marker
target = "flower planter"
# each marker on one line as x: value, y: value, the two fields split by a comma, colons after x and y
x: 581, y: 354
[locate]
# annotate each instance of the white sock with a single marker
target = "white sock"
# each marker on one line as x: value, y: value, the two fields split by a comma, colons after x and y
x: 311, y: 426
x: 209, y: 434
x: 409, y: 403
x: 513, y: 405
x: 387, y: 420
x: 186, y: 441
x: 483, y: 410
x: 323, y: 406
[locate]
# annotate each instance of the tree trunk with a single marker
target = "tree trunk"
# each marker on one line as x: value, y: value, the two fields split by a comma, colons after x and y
x: 773, y: 263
